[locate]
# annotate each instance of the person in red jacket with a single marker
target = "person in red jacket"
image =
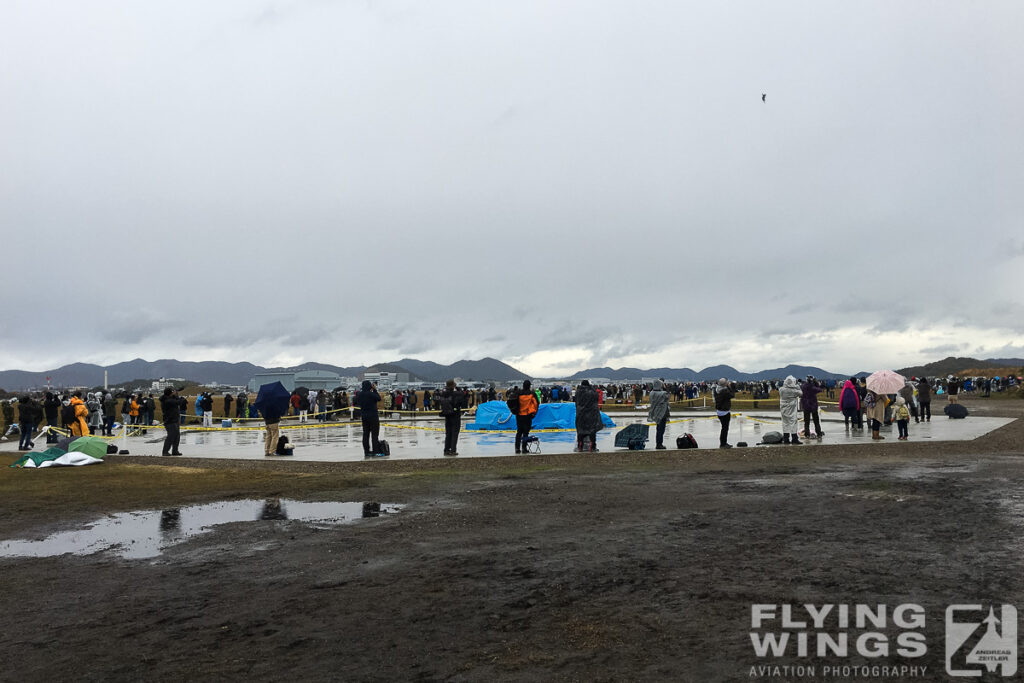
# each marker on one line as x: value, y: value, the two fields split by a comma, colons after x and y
x: 524, y: 416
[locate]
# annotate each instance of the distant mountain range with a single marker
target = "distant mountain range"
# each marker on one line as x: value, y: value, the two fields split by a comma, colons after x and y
x: 712, y: 373
x: 954, y: 366
x: 485, y: 369
x: 237, y: 374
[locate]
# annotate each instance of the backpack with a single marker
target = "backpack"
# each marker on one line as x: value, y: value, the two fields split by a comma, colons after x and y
x: 513, y: 403
x: 772, y: 437
x: 686, y: 441
x: 385, y: 448
x: 446, y: 405
x: 283, y: 447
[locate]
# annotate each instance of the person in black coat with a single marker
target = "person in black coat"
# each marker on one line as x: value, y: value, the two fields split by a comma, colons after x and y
x: 29, y: 414
x: 366, y: 400
x: 171, y: 408
x: 451, y: 403
x: 51, y: 406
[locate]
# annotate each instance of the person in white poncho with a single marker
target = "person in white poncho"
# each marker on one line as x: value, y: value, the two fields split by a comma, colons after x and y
x: 789, y: 404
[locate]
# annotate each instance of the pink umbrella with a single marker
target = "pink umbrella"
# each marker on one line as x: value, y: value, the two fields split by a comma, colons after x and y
x: 885, y: 382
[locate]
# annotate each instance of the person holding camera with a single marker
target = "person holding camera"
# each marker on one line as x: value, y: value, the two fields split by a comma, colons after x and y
x: 724, y: 392
x: 171, y: 408
x: 809, y: 405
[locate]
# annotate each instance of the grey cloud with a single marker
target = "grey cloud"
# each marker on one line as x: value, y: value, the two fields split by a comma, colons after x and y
x: 803, y: 308
x: 134, y: 326
x: 944, y: 348
x: 472, y: 195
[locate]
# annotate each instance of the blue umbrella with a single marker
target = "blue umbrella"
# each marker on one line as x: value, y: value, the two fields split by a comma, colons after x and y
x: 272, y: 401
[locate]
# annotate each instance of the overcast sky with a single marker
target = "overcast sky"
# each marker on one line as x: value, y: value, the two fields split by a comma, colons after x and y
x: 559, y: 185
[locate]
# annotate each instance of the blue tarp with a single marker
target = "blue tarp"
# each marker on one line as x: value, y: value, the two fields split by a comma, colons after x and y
x: 496, y: 415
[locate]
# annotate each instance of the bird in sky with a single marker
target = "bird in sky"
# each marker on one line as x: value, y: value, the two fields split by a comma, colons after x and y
x: 763, y: 96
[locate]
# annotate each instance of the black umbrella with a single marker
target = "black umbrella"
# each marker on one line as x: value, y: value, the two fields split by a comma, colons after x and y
x: 272, y: 401
x: 956, y: 411
x: 302, y: 391
x: 632, y: 437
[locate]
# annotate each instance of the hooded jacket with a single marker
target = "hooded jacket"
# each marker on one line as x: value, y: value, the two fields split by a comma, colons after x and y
x: 789, y: 401
x: 366, y: 400
x: 848, y: 398
x: 588, y: 414
x: 659, y: 403
x: 79, y: 427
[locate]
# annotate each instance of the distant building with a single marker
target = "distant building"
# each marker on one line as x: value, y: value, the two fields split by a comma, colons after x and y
x: 314, y: 380
x: 387, y: 380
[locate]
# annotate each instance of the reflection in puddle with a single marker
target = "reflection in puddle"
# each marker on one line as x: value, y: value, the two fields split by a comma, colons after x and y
x: 145, y: 533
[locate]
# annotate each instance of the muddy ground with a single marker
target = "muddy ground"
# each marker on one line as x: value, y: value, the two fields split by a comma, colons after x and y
x: 619, y: 566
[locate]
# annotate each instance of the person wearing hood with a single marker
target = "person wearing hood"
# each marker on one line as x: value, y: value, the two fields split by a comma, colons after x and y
x: 109, y: 411
x: 51, y: 406
x: 901, y: 416
x: 366, y: 400
x: 723, y: 394
x: 907, y: 392
x: 588, y: 418
x: 658, y: 413
x: 849, y: 403
x: 95, y: 406
x: 79, y: 426
x: 528, y: 404
x: 809, y: 405
x: 789, y: 402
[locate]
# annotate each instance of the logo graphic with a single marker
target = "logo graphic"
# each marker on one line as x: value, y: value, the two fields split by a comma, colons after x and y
x: 976, y: 643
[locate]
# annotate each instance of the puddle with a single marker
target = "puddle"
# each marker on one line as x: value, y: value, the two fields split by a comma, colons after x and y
x: 146, y: 533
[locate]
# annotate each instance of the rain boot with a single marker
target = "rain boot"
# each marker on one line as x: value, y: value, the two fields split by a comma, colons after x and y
x: 785, y: 438
x: 876, y: 436
x: 796, y: 441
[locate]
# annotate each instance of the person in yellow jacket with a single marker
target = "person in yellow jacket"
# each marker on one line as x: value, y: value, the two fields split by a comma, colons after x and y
x: 79, y: 427
x: 133, y: 410
x: 528, y: 406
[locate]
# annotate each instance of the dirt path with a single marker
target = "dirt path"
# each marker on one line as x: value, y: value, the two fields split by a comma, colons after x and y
x: 620, y: 567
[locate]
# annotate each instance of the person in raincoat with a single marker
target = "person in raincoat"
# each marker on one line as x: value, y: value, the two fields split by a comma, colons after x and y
x: 588, y: 418
x: 789, y: 402
x: 875, y: 405
x: 657, y: 413
x: 95, y: 406
x: 849, y: 403
x: 79, y: 427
